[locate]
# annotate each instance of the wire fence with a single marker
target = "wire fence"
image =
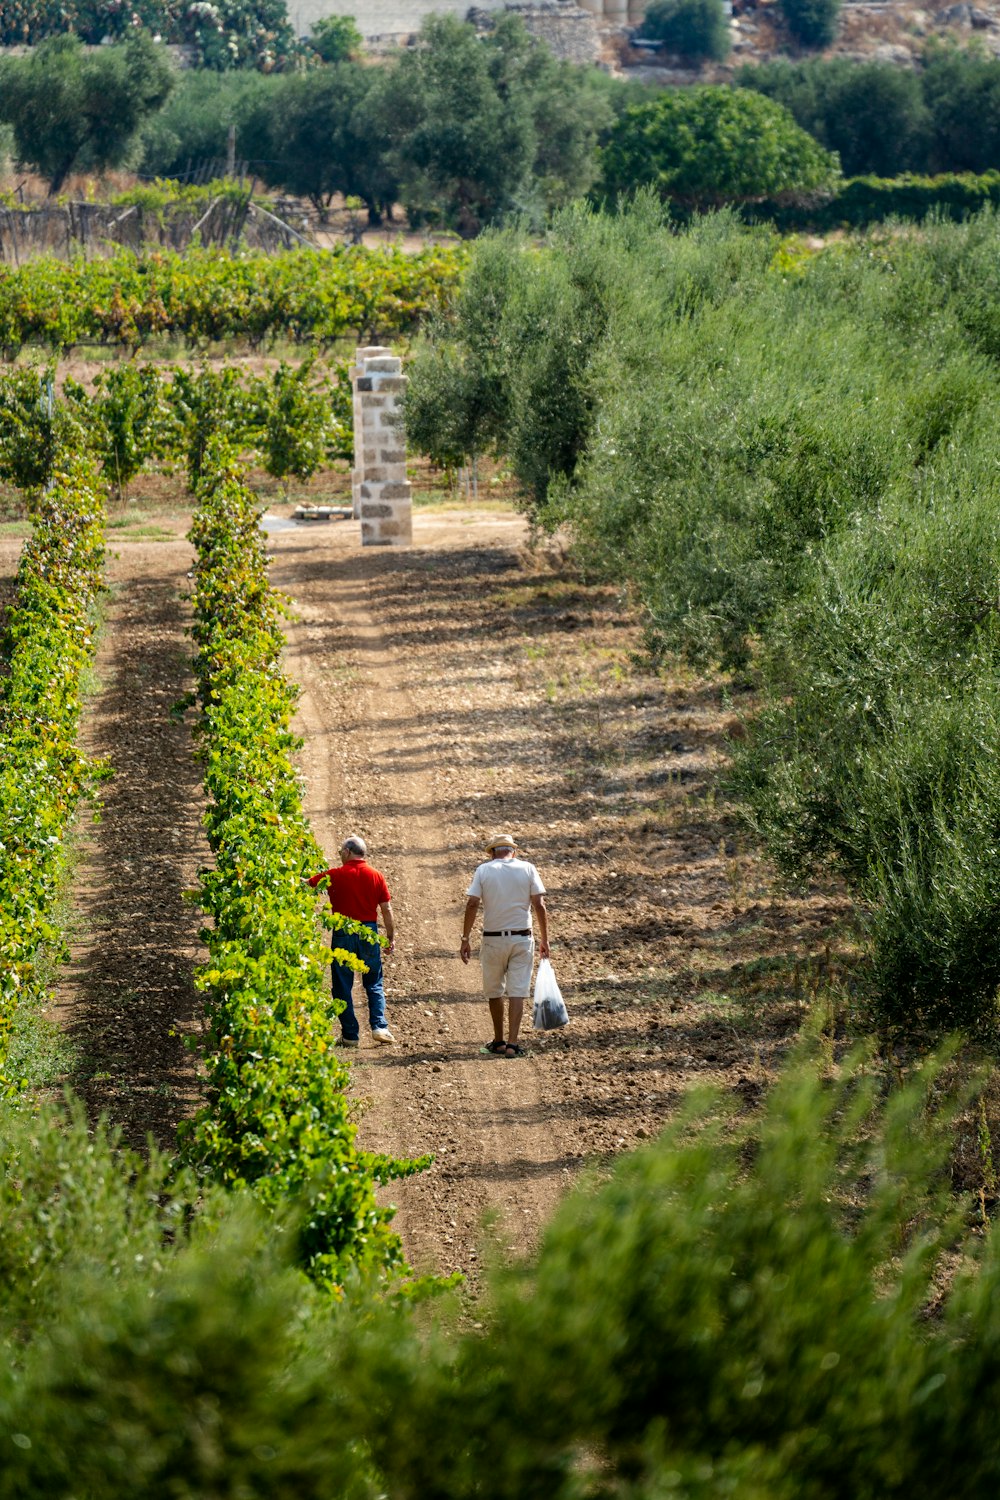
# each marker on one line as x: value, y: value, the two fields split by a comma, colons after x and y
x: 72, y: 230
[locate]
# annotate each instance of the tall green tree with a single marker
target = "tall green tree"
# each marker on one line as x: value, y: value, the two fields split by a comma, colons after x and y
x: 71, y: 109
x: 872, y: 114
x: 464, y: 153
x: 707, y: 146
x: 962, y: 90
x: 336, y: 39
x: 483, y: 126
x: 193, y: 126
x: 322, y: 134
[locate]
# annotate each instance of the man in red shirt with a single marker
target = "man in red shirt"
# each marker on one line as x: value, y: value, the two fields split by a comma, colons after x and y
x: 359, y: 892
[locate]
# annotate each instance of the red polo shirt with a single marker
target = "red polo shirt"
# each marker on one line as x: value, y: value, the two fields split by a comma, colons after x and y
x: 355, y: 890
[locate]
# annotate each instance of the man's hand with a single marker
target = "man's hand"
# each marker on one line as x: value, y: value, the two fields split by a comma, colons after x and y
x: 543, y: 949
x: 465, y: 951
x: 389, y: 947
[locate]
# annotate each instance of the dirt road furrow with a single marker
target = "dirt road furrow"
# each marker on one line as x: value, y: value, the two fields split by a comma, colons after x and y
x: 371, y: 749
x: 126, y: 997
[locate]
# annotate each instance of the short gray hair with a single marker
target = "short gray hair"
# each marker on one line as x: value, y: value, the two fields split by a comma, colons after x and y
x: 355, y: 845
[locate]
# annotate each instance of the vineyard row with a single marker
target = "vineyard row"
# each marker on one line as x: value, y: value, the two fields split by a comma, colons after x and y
x: 279, y: 1115
x: 314, y: 297
x: 49, y: 642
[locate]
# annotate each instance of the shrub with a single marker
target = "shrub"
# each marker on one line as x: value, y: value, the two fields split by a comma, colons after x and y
x: 336, y: 38
x: 31, y: 427
x: 873, y: 115
x: 711, y: 145
x: 813, y: 23
x: 296, y: 423
x: 697, y: 29
x: 877, y: 747
x: 740, y: 1310
x: 129, y: 421
x: 766, y: 1308
x: 155, y: 1338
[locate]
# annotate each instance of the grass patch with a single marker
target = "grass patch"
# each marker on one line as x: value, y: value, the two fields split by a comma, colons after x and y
x: 135, y: 529
x: 445, y: 500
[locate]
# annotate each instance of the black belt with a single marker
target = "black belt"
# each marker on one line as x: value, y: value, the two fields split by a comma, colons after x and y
x: 510, y: 932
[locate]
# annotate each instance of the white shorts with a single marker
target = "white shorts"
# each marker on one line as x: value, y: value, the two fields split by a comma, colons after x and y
x: 507, y: 963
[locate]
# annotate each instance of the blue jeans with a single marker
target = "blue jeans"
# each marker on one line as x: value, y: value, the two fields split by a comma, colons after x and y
x: 342, y: 979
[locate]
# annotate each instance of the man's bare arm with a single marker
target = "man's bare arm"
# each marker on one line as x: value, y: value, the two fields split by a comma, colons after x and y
x: 542, y: 916
x: 388, y: 922
x: 471, y: 907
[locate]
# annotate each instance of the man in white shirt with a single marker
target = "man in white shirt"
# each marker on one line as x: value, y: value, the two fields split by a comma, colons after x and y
x: 509, y: 890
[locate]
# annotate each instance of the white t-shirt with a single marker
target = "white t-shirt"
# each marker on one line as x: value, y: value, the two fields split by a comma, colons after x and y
x: 505, y: 887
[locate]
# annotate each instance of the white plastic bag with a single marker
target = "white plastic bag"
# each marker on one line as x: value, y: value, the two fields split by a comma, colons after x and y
x: 549, y: 1012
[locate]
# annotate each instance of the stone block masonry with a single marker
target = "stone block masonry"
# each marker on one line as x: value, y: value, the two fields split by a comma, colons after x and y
x: 383, y: 500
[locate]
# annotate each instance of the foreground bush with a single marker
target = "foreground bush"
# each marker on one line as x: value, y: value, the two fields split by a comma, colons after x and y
x: 781, y: 1308
x: 154, y: 1341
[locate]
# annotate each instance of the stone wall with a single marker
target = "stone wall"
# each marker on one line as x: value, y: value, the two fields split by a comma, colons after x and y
x: 567, y: 27
x: 378, y: 18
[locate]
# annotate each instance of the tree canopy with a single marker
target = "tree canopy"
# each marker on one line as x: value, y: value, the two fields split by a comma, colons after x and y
x: 711, y: 145
x: 69, y: 108
x: 813, y: 23
x: 484, y: 125
x: 336, y: 38
x: 872, y: 114
x: 223, y: 33
x: 320, y: 133
x: 696, y: 29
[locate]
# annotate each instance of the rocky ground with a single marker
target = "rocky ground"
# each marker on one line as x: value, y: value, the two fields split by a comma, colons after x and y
x: 895, y: 31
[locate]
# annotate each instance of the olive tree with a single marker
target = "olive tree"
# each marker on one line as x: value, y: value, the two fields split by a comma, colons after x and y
x: 71, y: 109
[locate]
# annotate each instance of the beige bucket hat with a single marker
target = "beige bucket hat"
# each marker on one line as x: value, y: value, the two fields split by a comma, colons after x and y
x: 500, y: 841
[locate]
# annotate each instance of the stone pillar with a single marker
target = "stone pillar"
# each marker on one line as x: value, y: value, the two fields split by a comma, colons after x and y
x: 384, y: 499
x: 366, y: 351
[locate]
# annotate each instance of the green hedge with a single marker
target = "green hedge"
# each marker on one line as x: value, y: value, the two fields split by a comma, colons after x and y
x: 871, y: 200
x: 48, y: 644
x: 279, y: 1116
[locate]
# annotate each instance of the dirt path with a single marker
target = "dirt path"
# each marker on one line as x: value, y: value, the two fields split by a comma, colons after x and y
x: 126, y: 998
x: 448, y: 690
x: 466, y: 685
x: 380, y: 755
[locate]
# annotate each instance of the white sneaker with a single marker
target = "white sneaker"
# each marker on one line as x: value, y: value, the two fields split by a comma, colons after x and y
x: 383, y: 1035
x: 347, y: 1041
